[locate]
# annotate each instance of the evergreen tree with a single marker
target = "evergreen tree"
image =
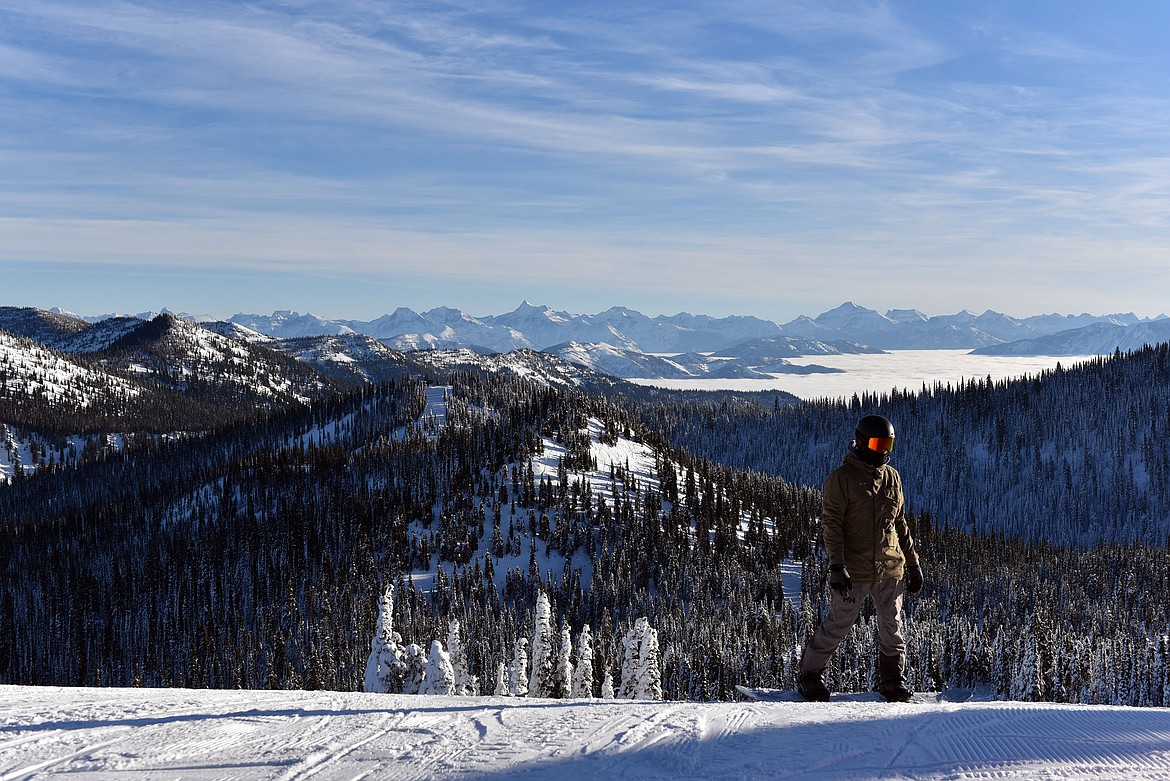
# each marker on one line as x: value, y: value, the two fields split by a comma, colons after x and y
x: 630, y: 646
x: 384, y: 666
x: 607, y: 692
x: 583, y: 669
x: 416, y: 669
x: 647, y: 674
x: 518, y: 669
x: 541, y: 683
x: 461, y: 677
x: 1029, y: 681
x: 563, y: 672
x: 440, y: 677
x: 501, y: 688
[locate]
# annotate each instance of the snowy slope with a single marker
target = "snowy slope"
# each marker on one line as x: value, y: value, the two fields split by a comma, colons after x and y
x: 177, y: 353
x: 223, y: 735
x: 26, y: 452
x: 39, y: 324
x: 99, y: 336
x: 541, y: 368
x: 354, y: 359
x: 622, y: 454
x: 29, y: 369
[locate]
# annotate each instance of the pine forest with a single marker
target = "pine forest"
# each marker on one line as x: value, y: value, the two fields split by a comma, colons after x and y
x: 470, y: 531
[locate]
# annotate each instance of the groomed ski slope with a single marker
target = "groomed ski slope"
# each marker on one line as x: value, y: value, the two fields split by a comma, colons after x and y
x: 223, y: 735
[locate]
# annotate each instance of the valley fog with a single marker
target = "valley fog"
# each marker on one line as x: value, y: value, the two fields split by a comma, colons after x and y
x: 902, y: 369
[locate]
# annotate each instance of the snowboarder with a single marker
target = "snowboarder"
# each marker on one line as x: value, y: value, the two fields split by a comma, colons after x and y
x: 871, y: 553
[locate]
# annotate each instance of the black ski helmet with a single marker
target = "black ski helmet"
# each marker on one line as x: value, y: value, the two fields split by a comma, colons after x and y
x: 874, y: 439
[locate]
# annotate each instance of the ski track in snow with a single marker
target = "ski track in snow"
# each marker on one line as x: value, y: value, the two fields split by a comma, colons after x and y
x: 291, y: 736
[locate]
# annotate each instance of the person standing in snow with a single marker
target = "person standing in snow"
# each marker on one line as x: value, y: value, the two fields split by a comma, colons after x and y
x: 871, y: 554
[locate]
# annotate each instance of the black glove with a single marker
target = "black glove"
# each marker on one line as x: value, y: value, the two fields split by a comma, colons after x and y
x: 913, y: 578
x: 839, y: 580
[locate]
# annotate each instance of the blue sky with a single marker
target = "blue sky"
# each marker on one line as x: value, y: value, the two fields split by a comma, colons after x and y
x: 756, y: 157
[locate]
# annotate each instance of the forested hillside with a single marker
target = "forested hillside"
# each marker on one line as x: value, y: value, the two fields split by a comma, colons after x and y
x: 1074, y: 456
x: 255, y: 555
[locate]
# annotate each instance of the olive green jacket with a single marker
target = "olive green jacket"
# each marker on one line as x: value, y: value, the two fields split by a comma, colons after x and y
x: 863, y: 520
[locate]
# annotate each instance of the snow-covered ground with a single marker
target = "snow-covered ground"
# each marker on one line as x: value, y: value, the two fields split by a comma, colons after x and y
x: 223, y: 735
x: 623, y: 454
x: 27, y: 452
x: 434, y: 416
x: 633, y: 458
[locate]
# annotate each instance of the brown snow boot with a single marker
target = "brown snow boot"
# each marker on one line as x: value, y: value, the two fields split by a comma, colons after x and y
x: 891, y: 678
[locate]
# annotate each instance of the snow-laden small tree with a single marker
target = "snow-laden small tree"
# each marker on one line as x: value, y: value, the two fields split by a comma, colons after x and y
x: 630, y: 647
x: 583, y: 669
x: 518, y: 669
x: 501, y: 689
x: 641, y: 675
x: 649, y: 671
x: 384, y: 666
x: 607, y: 686
x: 462, y: 683
x: 1001, y: 674
x: 1028, y: 684
x: 439, y: 677
x: 1161, y: 673
x: 416, y: 669
x: 540, y: 683
x: 563, y: 670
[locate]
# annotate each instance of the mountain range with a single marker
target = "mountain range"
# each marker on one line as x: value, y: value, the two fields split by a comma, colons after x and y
x: 546, y: 329
x: 62, y: 375
x: 618, y: 342
x: 1095, y: 339
x: 360, y: 351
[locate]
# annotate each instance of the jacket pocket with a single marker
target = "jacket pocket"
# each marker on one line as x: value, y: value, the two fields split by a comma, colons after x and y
x: 891, y: 497
x: 891, y: 547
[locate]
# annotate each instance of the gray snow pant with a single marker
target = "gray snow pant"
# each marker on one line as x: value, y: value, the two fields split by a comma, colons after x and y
x: 843, y: 611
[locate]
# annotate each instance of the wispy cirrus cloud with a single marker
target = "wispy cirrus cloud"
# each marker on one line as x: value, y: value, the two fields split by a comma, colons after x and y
x: 788, y: 133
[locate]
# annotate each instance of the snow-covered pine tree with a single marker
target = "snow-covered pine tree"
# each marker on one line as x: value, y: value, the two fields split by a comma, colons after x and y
x: 461, y: 679
x: 631, y: 645
x: 583, y: 669
x: 1055, y: 678
x: 440, y: 677
x: 647, y: 672
x: 1028, y: 685
x: 540, y: 684
x: 384, y: 666
x: 1162, y: 671
x: 1001, y: 675
x: 501, y: 689
x: 416, y: 669
x: 607, y: 686
x: 563, y: 671
x: 518, y: 669
x: 641, y: 671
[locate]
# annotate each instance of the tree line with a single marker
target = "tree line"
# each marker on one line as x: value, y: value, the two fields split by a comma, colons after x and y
x: 1073, y: 455
x: 257, y: 555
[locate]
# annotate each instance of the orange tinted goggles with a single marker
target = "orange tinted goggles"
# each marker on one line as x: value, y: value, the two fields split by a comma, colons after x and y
x: 880, y: 444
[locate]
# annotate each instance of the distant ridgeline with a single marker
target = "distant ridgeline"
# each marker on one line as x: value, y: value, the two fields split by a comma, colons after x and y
x: 257, y: 553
